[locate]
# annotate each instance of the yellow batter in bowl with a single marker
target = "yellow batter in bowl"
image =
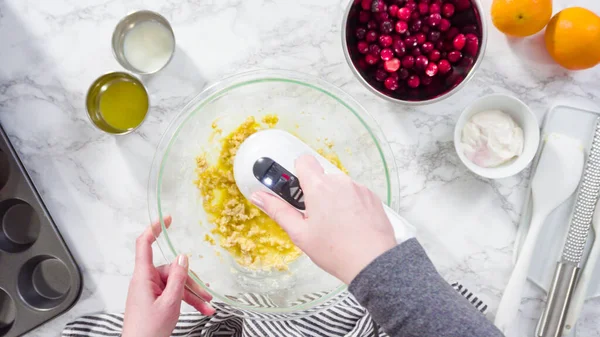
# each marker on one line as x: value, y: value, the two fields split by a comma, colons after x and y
x: 249, y: 235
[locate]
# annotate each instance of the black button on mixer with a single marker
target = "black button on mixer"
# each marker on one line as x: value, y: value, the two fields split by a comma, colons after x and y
x: 279, y: 180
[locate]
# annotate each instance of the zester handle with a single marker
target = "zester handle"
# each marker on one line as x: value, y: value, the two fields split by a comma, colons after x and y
x: 563, y: 285
x: 582, y: 287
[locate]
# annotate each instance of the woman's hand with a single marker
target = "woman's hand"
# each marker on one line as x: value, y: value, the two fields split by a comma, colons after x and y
x: 344, y: 227
x: 155, y: 293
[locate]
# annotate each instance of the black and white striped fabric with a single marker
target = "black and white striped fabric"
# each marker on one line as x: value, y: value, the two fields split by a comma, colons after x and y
x: 347, y: 318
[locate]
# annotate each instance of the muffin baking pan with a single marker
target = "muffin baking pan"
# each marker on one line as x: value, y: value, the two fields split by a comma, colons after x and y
x: 39, y: 279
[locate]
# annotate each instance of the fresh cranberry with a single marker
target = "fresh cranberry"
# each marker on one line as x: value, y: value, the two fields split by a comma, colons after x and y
x: 466, y: 62
x: 444, y: 25
x: 386, y: 27
x: 401, y: 27
x: 371, y: 59
x: 385, y: 40
x: 364, y: 16
x: 415, y: 15
x: 404, y: 13
x: 472, y: 45
x: 431, y: 69
x: 448, y: 10
x: 360, y: 33
x: 399, y: 48
x: 434, y: 20
x: 411, y: 5
x: 402, y: 74
x: 426, y: 80
x: 434, y: 8
x: 454, y: 79
x: 423, y: 8
x: 415, y: 25
x: 386, y: 54
x: 372, y: 24
x: 362, y: 64
x: 444, y: 67
x: 454, y: 56
x: 461, y: 5
x: 459, y: 41
x: 410, y: 42
x: 469, y: 29
x: 366, y: 4
x: 381, y: 75
x: 391, y: 83
x: 434, y: 55
x: 425, y: 28
x: 408, y: 61
x: 439, y: 45
x: 393, y: 10
x: 381, y: 16
x: 391, y: 65
x: 413, y: 81
x: 421, y: 62
x: 420, y: 38
x: 374, y: 50
x: 448, y: 46
x: 424, y: 1
x: 378, y: 6
x: 427, y: 47
x: 363, y: 47
x: 371, y: 36
x: 452, y: 32
x: 416, y: 52
x: 433, y: 36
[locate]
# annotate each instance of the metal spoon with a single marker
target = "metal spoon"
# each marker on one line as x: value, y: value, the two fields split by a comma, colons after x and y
x: 557, y: 176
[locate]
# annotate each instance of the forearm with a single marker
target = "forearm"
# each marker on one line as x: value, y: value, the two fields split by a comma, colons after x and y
x: 406, y: 296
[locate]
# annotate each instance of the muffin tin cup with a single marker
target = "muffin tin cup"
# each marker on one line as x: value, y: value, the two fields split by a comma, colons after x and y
x: 43, y: 282
x: 20, y: 226
x: 8, y: 312
x: 39, y: 278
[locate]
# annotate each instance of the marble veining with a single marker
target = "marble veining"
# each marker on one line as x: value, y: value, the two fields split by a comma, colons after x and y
x: 95, y: 185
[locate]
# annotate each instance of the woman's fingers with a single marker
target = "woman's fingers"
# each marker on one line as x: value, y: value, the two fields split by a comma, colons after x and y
x: 197, y: 289
x: 194, y: 287
x: 174, y: 291
x: 199, y: 304
x: 143, y: 251
x: 143, y: 245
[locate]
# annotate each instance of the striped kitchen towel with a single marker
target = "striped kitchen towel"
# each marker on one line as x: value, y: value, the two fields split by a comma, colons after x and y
x: 347, y: 318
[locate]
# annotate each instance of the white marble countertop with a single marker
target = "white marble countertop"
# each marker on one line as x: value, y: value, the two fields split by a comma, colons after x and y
x: 95, y: 185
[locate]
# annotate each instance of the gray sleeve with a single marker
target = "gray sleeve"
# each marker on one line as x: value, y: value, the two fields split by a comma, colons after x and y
x: 407, y: 296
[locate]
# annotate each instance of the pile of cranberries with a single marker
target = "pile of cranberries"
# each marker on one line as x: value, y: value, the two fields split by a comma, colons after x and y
x: 413, y: 49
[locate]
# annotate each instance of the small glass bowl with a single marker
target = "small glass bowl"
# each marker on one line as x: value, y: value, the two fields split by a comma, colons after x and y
x: 125, y: 26
x: 92, y: 101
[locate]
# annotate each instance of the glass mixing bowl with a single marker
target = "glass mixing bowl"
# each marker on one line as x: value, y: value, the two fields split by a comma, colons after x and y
x: 311, y: 108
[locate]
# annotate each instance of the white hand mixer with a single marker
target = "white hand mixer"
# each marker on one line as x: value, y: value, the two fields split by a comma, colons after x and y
x: 266, y: 162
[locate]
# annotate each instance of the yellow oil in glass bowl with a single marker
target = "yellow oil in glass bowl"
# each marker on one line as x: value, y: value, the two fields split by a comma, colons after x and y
x: 117, y: 103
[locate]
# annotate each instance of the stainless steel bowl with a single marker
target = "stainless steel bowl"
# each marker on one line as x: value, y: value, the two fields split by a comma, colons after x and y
x: 127, y: 24
x: 468, y: 76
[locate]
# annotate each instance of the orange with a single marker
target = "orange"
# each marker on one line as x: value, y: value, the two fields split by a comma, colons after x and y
x: 573, y: 38
x: 521, y: 17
